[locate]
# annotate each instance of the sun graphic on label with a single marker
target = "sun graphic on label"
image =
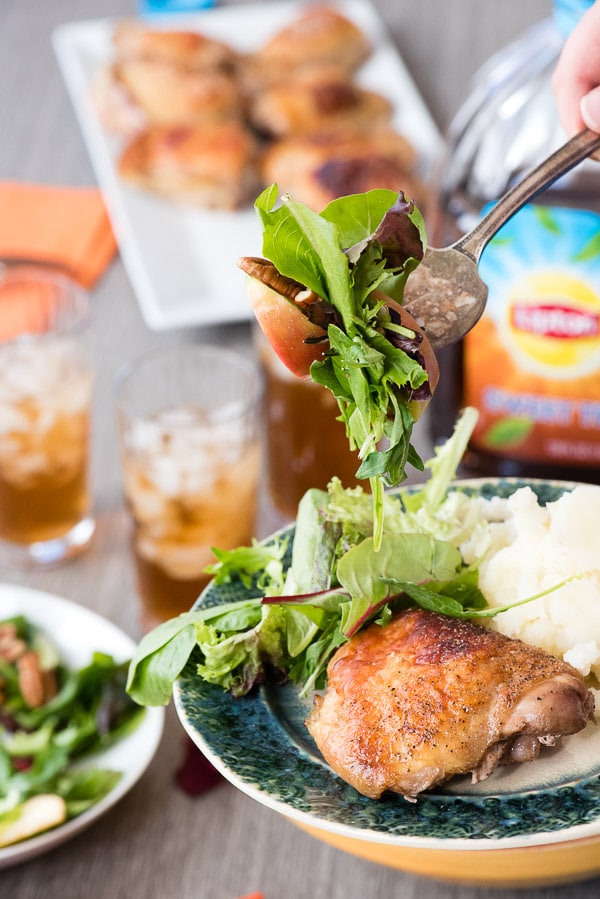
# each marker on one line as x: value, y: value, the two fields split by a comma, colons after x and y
x: 553, y: 320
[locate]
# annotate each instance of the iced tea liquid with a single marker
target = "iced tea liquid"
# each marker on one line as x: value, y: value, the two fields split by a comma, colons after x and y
x: 170, y: 566
x: 306, y: 445
x: 164, y: 595
x: 44, y: 435
x: 186, y: 495
x: 45, y: 507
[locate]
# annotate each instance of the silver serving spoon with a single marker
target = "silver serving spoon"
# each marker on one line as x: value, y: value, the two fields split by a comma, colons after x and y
x: 445, y: 293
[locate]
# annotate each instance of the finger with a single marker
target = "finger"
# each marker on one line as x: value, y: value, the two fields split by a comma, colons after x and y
x: 590, y: 113
x: 590, y: 109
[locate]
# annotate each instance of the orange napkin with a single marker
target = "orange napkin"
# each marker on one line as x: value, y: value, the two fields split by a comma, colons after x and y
x: 66, y: 227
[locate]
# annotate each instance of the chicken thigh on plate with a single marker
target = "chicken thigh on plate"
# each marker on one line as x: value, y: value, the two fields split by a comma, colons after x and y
x: 426, y: 697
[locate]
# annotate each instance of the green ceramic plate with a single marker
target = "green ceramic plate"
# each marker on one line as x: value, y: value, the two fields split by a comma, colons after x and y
x: 261, y: 745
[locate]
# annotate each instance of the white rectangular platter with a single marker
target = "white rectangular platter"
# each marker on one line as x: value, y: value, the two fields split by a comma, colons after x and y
x: 182, y: 262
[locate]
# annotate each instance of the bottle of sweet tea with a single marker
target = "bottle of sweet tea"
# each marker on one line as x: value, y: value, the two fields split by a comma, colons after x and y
x: 531, y: 365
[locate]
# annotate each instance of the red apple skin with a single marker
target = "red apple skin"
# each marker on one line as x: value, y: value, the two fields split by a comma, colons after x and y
x: 286, y: 328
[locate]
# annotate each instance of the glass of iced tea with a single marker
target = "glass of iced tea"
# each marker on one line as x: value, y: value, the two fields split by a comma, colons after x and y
x: 45, y: 399
x: 189, y: 423
x: 306, y: 445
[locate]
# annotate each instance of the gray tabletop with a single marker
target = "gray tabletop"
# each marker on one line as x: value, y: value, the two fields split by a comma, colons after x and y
x: 158, y: 841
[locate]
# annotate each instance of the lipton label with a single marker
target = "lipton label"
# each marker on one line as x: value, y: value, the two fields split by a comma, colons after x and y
x: 532, y: 364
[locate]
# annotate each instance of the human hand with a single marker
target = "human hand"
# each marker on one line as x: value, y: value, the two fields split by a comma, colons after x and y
x: 576, y: 79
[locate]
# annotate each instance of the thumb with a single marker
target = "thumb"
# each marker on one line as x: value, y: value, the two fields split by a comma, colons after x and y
x: 590, y: 109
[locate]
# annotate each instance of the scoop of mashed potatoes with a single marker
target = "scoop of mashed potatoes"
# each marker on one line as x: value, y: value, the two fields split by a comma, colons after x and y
x: 531, y: 550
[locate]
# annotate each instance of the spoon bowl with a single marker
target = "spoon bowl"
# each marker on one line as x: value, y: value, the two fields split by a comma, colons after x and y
x: 445, y: 293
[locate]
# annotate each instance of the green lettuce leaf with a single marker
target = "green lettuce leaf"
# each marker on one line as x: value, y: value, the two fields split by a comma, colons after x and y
x: 356, y: 245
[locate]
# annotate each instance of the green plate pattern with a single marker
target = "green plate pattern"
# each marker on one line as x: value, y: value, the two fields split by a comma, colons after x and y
x: 260, y: 744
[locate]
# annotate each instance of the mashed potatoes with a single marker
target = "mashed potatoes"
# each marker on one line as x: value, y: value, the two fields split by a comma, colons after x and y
x: 531, y: 548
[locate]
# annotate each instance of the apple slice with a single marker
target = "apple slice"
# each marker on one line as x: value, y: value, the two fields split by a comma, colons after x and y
x: 290, y: 317
x: 33, y: 816
x: 293, y: 319
x: 287, y: 328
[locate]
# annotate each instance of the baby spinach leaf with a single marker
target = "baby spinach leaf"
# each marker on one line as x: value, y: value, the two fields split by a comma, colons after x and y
x: 159, y: 661
x: 357, y: 244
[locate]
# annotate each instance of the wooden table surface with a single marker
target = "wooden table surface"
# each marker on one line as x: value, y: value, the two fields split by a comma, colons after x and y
x: 159, y: 842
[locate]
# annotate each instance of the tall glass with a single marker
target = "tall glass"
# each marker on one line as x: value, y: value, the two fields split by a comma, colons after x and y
x: 45, y: 399
x: 189, y: 421
x: 306, y: 445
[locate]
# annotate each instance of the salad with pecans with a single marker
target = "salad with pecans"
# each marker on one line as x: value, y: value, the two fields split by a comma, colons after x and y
x: 52, y: 718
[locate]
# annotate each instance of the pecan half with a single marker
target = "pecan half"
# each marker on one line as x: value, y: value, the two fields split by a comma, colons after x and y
x: 317, y: 310
x: 265, y: 271
x: 11, y: 645
x: 31, y: 682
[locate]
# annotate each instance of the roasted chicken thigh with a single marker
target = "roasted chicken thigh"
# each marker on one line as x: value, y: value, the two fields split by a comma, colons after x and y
x: 426, y: 697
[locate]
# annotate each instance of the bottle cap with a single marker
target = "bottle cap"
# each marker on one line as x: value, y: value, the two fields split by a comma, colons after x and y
x: 164, y: 7
x: 567, y: 13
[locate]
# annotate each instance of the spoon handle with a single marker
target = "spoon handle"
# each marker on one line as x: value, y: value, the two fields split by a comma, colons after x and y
x: 567, y: 156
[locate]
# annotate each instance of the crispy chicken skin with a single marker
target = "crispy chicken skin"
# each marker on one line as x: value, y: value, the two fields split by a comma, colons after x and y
x: 426, y: 697
x: 310, y: 126
x: 319, y: 167
x: 322, y: 98
x: 167, y: 95
x: 318, y: 36
x: 212, y: 165
x: 132, y: 39
x: 163, y: 77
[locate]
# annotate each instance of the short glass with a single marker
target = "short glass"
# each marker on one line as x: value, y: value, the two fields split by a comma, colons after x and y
x: 189, y: 424
x: 45, y: 400
x: 306, y: 445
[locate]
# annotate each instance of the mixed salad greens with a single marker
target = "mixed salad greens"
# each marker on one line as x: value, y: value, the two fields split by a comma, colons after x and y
x: 353, y: 256
x: 51, y: 718
x: 298, y: 614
